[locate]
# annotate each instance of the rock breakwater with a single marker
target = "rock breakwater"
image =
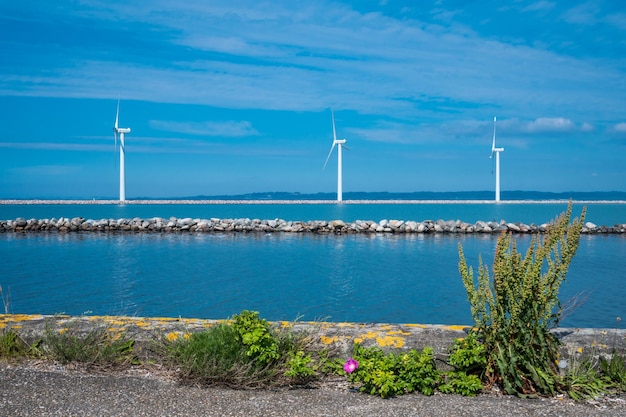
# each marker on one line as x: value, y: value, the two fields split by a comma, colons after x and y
x: 189, y: 225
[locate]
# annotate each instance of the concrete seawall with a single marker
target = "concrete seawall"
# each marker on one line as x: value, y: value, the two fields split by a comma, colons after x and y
x: 338, y: 336
x: 245, y: 225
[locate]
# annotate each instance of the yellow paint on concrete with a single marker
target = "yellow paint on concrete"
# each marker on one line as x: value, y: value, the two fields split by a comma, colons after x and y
x: 113, y: 336
x: 370, y: 335
x: 116, y: 322
x: 329, y: 340
x: 419, y: 326
x: 400, y: 332
x: 386, y: 327
x: 345, y: 324
x: 455, y: 327
x: 19, y: 317
x: 375, y: 336
x: 172, y: 336
x: 390, y: 341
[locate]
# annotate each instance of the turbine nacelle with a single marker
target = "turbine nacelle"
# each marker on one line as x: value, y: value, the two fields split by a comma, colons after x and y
x: 341, y: 143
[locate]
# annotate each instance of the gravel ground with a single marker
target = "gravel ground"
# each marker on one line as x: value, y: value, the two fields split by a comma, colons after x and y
x: 32, y: 391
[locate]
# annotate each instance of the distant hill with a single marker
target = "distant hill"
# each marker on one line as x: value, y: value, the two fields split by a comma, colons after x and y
x: 418, y: 195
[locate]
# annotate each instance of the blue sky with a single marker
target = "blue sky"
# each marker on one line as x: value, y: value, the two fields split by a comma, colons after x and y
x: 232, y: 97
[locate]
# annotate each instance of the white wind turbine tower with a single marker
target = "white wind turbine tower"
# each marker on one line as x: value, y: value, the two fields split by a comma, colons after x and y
x: 121, y: 131
x: 341, y: 144
x: 497, y: 152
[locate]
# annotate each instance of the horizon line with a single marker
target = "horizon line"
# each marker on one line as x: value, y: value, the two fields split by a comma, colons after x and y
x: 292, y: 202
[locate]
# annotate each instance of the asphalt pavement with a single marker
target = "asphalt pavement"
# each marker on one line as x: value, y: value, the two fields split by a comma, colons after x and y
x: 27, y: 390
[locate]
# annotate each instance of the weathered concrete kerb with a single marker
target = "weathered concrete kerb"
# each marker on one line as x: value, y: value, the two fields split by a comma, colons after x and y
x: 246, y: 225
x: 50, y: 390
x: 339, y: 336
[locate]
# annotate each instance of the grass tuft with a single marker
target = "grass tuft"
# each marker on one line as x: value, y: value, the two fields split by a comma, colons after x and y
x: 12, y: 346
x: 96, y: 348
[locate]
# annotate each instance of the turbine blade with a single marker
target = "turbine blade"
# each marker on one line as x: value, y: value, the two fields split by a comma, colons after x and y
x: 493, y: 144
x: 344, y: 147
x: 117, y: 113
x: 329, y: 153
x: 332, y: 113
x: 115, y: 156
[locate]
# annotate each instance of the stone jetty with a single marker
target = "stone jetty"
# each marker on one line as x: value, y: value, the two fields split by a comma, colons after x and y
x: 214, y: 225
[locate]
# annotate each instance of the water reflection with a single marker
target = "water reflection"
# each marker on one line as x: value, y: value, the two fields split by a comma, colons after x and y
x: 124, y: 271
x: 371, y: 278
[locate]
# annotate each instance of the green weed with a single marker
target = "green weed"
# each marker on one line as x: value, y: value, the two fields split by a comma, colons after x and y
x: 245, y: 352
x: 254, y: 333
x: 454, y: 382
x: 96, y: 348
x: 12, y: 346
x: 514, y: 311
x: 584, y: 381
x: 215, y: 357
x: 615, y: 369
x: 301, y: 366
x: 468, y: 359
x: 391, y: 374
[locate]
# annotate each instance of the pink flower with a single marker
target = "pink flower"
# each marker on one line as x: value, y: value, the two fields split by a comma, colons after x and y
x: 350, y: 366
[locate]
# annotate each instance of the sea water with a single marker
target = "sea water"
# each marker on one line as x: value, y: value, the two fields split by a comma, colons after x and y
x: 361, y: 278
x: 607, y: 214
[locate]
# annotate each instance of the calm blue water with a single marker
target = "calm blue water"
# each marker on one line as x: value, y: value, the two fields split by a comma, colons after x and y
x: 378, y: 278
x: 601, y: 214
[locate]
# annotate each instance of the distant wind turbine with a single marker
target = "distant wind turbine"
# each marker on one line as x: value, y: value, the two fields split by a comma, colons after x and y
x: 497, y: 152
x: 341, y: 144
x: 121, y: 131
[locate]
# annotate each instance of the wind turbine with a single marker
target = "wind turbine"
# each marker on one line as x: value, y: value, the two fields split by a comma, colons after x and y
x: 497, y: 152
x: 121, y: 131
x: 341, y: 144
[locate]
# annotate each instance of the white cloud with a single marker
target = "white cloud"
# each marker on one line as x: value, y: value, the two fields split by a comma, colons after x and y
x: 620, y: 127
x: 587, y: 127
x: 47, y: 170
x: 547, y: 124
x: 290, y: 57
x: 539, y: 6
x: 56, y: 146
x: 228, y: 128
x: 618, y: 20
x: 582, y: 14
